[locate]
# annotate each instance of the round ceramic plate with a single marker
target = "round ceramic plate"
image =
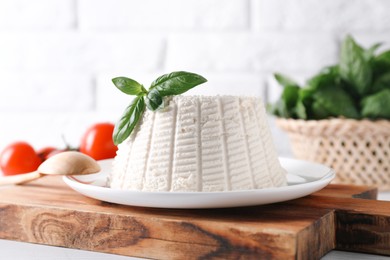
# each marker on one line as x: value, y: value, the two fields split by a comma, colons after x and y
x: 303, y: 179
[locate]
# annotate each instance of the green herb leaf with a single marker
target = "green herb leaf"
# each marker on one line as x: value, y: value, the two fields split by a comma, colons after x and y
x: 381, y: 65
x: 329, y: 76
x: 319, y: 111
x: 290, y: 96
x: 358, y: 86
x: 305, y: 94
x: 284, y: 80
x: 154, y: 100
x: 284, y: 107
x: 377, y: 105
x: 384, y: 56
x: 354, y: 66
x: 176, y: 83
x: 129, y: 86
x: 336, y: 102
x: 129, y: 120
x: 300, y: 110
x: 370, y: 52
x: 304, y: 103
x: 383, y: 82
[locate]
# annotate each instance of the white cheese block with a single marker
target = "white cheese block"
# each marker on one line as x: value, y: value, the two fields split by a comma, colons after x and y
x: 199, y: 143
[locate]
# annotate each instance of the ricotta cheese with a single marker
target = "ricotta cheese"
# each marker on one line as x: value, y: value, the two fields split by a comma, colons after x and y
x: 200, y: 143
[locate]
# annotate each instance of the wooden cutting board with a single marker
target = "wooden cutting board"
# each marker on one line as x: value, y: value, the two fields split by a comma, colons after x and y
x: 338, y: 217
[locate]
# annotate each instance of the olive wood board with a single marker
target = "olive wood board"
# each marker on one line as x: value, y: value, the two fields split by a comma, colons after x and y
x: 341, y: 217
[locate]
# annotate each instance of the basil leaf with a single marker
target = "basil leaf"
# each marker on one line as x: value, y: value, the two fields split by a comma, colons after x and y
x: 305, y: 94
x: 284, y: 80
x: 129, y: 120
x: 384, y: 56
x: 300, y: 110
x: 304, y: 103
x: 327, y: 77
x: 319, y: 111
x: 377, y: 105
x: 354, y: 67
x: 379, y: 67
x: 129, y: 86
x: 381, y: 64
x: 336, y: 101
x: 290, y: 96
x: 383, y: 82
x: 176, y: 83
x: 154, y: 100
x: 285, y: 106
x: 369, y: 53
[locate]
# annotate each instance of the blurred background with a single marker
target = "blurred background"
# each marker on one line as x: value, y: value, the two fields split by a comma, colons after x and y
x: 57, y: 57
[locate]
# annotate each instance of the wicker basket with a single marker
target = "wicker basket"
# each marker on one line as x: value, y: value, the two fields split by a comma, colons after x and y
x: 358, y: 150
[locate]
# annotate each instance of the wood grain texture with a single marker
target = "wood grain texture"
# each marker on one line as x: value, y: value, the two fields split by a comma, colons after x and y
x: 48, y: 212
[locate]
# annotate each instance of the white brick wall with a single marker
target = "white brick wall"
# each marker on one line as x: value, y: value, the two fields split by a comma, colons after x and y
x: 80, y: 52
x: 250, y: 52
x: 44, y: 92
x: 57, y: 57
x: 27, y: 15
x: 314, y: 15
x: 168, y: 15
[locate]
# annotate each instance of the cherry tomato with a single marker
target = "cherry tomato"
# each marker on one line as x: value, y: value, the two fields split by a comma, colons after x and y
x: 19, y: 157
x: 97, y: 141
x: 56, y: 151
x: 46, y: 152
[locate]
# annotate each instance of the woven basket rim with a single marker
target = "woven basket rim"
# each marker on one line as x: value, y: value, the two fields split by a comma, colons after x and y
x: 335, y: 126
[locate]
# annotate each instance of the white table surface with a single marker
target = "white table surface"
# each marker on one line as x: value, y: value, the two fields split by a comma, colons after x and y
x: 22, y: 251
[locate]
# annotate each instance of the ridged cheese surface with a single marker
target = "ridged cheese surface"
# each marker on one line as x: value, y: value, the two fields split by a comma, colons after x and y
x: 199, y: 143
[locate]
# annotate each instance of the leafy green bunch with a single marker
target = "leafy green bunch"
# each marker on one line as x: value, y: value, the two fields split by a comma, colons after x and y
x: 357, y: 87
x: 171, y: 84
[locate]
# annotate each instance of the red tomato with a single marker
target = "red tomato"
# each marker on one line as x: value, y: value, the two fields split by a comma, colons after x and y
x: 97, y: 141
x: 46, y: 152
x: 19, y: 157
x: 56, y: 151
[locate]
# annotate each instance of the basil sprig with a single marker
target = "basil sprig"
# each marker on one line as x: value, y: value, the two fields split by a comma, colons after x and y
x: 358, y: 86
x: 171, y: 84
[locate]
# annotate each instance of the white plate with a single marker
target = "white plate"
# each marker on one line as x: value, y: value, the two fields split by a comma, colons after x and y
x: 303, y: 178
